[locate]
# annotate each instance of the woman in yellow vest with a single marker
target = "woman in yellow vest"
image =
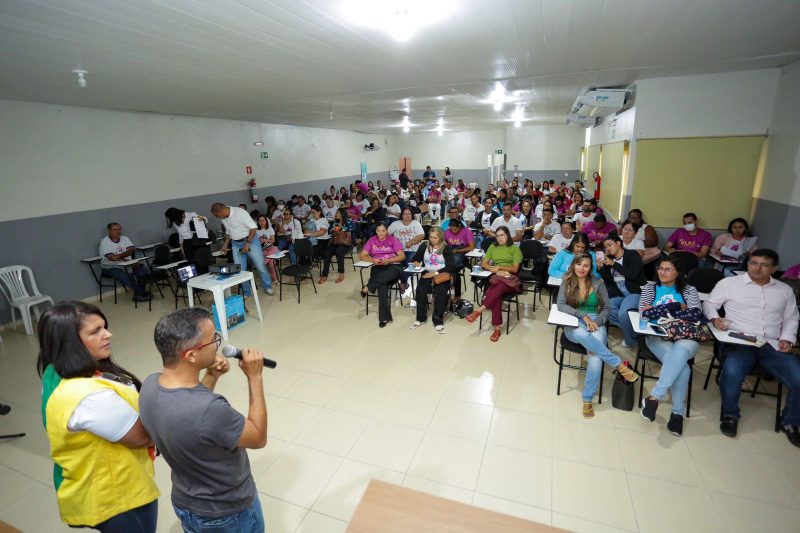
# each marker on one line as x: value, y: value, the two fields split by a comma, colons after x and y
x: 90, y: 408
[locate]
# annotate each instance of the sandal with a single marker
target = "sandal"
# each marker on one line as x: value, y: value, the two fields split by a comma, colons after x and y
x: 322, y: 280
x: 495, y: 335
x: 340, y: 278
x: 627, y: 373
x: 588, y: 410
x: 473, y: 316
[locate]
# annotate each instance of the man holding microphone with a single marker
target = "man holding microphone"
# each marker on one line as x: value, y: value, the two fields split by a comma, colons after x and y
x: 199, y: 434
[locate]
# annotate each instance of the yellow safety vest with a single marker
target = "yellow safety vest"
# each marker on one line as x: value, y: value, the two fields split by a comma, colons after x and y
x: 101, y: 479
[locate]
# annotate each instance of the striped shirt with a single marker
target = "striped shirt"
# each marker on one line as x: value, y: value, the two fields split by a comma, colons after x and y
x: 689, y: 294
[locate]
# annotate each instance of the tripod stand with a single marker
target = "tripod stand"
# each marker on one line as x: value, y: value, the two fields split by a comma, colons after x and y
x: 4, y: 410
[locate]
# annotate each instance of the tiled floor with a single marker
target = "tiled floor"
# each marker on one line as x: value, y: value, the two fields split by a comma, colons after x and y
x: 454, y: 415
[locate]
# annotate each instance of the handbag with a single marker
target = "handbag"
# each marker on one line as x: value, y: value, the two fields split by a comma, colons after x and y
x: 677, y: 329
x: 343, y: 237
x: 622, y: 393
x: 442, y: 277
x: 511, y: 281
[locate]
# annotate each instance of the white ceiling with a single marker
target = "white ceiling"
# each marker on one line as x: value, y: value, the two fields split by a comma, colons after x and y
x: 295, y: 61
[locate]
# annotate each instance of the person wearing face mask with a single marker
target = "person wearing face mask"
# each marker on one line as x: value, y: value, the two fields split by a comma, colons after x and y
x: 689, y: 238
x: 277, y: 215
x: 584, y: 216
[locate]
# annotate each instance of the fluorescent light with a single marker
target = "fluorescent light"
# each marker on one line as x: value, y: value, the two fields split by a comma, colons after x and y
x: 258, y: 143
x: 517, y: 123
x: 400, y: 18
x: 498, y: 105
x: 439, y: 133
x: 406, y: 129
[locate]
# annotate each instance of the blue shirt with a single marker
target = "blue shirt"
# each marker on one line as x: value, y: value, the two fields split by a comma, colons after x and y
x: 665, y: 295
x: 562, y: 260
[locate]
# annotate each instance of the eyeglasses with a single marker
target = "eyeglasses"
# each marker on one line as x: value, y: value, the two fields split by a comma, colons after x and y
x: 217, y: 340
x: 758, y: 264
x: 665, y: 270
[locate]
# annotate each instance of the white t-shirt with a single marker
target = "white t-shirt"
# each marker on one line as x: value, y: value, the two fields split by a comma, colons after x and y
x: 184, y: 229
x: 329, y: 212
x: 322, y: 223
x: 640, y: 232
x: 550, y: 231
x: 635, y: 244
x: 363, y: 205
x: 238, y: 223
x: 301, y: 211
x: 107, y: 246
x: 512, y: 224
x: 105, y: 414
x: 405, y: 233
x: 486, y: 219
x: 469, y: 212
x: 294, y: 227
x: 579, y: 217
x: 559, y: 242
x: 266, y: 233
x: 277, y: 215
x: 393, y: 210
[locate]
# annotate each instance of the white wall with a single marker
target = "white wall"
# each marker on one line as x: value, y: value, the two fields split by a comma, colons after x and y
x: 724, y: 104
x: 544, y: 147
x: 613, y: 129
x: 457, y: 149
x: 61, y: 159
x: 781, y: 182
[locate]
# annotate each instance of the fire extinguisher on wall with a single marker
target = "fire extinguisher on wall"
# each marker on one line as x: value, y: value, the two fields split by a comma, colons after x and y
x: 253, y: 193
x: 597, y: 180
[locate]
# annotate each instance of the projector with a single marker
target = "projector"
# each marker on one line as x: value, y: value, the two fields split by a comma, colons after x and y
x: 227, y: 269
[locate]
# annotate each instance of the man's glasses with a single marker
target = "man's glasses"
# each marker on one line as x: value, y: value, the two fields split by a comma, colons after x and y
x: 759, y: 264
x: 217, y: 340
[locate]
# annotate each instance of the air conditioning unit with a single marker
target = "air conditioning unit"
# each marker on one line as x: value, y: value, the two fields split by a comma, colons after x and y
x: 583, y: 121
x: 600, y: 102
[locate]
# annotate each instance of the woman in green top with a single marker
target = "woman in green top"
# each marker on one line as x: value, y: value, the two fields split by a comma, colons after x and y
x: 504, y: 259
x: 585, y: 297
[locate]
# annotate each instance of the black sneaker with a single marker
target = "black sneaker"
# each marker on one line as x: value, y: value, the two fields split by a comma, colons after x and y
x: 675, y: 424
x: 729, y: 426
x: 649, y: 409
x: 792, y: 433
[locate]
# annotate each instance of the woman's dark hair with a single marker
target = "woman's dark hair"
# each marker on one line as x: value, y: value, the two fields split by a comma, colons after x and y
x: 317, y: 209
x: 676, y: 261
x: 343, y: 216
x: 403, y: 212
x: 579, y: 237
x: 270, y: 201
x: 600, y: 218
x: 175, y: 215
x: 381, y: 223
x: 266, y: 218
x: 60, y: 344
x: 509, y: 240
x: 628, y: 219
x: 454, y: 222
x: 740, y: 221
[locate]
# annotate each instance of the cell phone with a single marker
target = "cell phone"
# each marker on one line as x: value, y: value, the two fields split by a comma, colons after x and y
x: 658, y: 329
x: 600, y: 256
x: 742, y: 336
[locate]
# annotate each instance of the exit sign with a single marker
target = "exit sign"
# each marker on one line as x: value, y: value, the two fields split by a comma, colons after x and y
x: 498, y: 152
x: 264, y: 155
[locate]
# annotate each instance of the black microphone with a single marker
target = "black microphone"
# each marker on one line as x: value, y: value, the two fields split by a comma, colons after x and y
x: 234, y: 352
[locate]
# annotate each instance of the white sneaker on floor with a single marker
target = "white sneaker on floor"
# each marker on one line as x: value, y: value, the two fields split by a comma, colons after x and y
x: 270, y: 292
x: 439, y: 329
x: 415, y: 324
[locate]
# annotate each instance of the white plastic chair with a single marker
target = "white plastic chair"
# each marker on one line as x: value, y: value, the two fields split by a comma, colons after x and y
x: 12, y: 284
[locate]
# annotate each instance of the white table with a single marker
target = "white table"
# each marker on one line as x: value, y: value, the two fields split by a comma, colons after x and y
x: 475, y: 253
x: 725, y: 336
x: 170, y: 266
x: 551, y: 283
x: 559, y: 318
x: 209, y: 282
x: 361, y: 265
x: 633, y: 316
x: 483, y: 274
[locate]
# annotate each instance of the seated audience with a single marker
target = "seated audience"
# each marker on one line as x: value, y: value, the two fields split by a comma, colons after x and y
x: 436, y: 257
x: 598, y: 230
x: 291, y: 230
x: 385, y: 252
x: 547, y: 228
x: 756, y: 304
x: 585, y: 297
x: 435, y: 202
x: 623, y: 274
x: 319, y: 234
x: 472, y: 208
x: 670, y: 287
x: 736, y: 243
x: 392, y: 209
x: 561, y: 240
x: 301, y: 211
x: 629, y: 240
x: 339, y: 230
x: 452, y: 213
x: 410, y: 233
x: 373, y: 216
x: 584, y: 216
x: 266, y: 238
x: 563, y: 259
x: 504, y: 260
x: 689, y: 238
x: 508, y: 221
x: 116, y: 248
x: 645, y: 233
x: 527, y: 219
x: 103, y: 471
x: 461, y: 242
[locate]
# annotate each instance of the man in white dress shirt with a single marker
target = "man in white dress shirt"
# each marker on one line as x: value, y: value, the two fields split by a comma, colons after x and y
x: 240, y: 236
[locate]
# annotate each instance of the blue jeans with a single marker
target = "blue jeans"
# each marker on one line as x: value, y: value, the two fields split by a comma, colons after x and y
x: 675, y: 371
x: 739, y: 360
x: 596, y: 345
x: 283, y: 244
x: 123, y: 277
x: 139, y: 520
x: 250, y: 520
x: 619, y: 306
x: 256, y: 255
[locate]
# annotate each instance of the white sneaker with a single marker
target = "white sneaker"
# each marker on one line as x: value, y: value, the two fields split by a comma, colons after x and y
x: 439, y: 329
x: 415, y: 324
x: 270, y: 292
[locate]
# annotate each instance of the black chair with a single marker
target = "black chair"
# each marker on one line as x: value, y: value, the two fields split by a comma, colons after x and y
x: 758, y: 372
x: 534, y: 268
x: 567, y: 345
x: 645, y: 356
x: 156, y: 277
x: 689, y: 261
x: 704, y: 279
x: 102, y: 281
x: 487, y: 242
x: 302, y: 269
x: 508, y: 299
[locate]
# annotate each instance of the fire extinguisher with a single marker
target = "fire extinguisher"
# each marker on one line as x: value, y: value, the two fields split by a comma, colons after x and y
x: 597, y: 180
x: 253, y: 193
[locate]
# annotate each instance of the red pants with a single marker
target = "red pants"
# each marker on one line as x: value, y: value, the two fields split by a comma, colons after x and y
x: 493, y: 299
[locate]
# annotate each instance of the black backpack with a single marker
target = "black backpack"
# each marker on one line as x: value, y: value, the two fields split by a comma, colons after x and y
x: 462, y: 308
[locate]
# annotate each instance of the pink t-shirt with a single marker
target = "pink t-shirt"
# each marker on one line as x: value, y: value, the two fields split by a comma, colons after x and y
x: 460, y: 239
x: 434, y: 196
x: 690, y: 243
x: 363, y: 187
x: 385, y: 249
x: 596, y: 233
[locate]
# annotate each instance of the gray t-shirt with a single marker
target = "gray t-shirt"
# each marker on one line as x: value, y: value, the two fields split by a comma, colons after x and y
x: 196, y: 431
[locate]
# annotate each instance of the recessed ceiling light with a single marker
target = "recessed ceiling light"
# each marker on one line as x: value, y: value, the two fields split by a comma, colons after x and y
x: 498, y: 106
x: 258, y: 143
x: 517, y: 123
x: 400, y: 18
x: 406, y: 129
